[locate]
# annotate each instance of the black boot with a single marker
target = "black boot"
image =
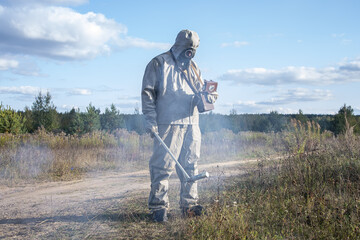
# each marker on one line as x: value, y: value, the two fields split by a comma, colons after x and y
x: 193, y: 211
x: 160, y: 215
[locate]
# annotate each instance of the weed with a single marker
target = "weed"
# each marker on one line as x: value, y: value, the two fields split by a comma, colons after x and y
x: 49, y: 156
x: 313, y: 193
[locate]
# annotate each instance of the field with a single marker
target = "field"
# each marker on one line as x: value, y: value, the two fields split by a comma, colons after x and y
x: 298, y: 184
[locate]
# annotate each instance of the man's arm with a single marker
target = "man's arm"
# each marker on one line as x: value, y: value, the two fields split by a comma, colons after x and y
x: 149, y: 95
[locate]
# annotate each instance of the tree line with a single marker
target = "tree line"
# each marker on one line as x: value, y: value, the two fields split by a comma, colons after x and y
x: 43, y: 114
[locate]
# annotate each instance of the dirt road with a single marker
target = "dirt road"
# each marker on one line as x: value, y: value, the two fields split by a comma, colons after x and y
x: 55, y: 209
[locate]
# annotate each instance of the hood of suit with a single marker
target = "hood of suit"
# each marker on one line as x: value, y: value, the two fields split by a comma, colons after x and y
x: 185, y: 39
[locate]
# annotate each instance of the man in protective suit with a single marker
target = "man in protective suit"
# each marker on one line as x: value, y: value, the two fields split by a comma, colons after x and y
x: 169, y: 105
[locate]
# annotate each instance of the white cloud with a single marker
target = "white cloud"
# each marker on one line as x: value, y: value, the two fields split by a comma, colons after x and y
x: 129, y: 103
x: 45, y: 2
x: 345, y: 72
x: 6, y: 64
x: 60, y: 32
x: 129, y: 98
x: 298, y: 95
x: 341, y: 37
x: 235, y: 44
x: 28, y: 68
x: 141, y: 43
x: 338, y: 35
x: 282, y: 98
x: 65, y: 107
x: 56, y: 32
x: 255, y: 108
x: 23, y: 90
x: 80, y: 91
x: 19, y: 65
x: 356, y: 110
x: 350, y: 66
x: 282, y: 110
x: 243, y: 107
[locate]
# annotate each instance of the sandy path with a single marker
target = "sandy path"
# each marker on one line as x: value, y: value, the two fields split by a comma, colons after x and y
x: 43, y: 211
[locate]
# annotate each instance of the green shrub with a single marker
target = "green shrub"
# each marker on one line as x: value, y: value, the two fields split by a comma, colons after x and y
x: 11, y: 121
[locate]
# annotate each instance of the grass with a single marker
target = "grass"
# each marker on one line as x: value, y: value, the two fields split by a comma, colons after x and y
x: 312, y: 192
x: 46, y: 156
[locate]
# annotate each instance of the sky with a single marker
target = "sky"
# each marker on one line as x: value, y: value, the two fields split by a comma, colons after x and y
x: 266, y: 55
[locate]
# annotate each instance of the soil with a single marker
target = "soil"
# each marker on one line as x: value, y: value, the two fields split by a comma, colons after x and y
x: 78, y: 209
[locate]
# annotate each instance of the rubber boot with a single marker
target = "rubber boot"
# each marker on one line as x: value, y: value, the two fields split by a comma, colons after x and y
x: 193, y: 211
x: 160, y: 215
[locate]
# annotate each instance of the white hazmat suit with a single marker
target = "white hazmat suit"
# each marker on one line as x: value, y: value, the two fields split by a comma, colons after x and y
x: 169, y: 107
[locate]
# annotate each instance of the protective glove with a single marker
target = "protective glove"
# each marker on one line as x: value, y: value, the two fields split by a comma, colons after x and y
x: 212, y: 97
x: 151, y: 129
x: 197, y: 98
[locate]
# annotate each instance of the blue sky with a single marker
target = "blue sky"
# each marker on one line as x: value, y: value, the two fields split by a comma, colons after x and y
x: 266, y: 55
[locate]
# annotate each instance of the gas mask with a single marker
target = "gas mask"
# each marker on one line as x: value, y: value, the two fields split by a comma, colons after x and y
x: 185, y: 57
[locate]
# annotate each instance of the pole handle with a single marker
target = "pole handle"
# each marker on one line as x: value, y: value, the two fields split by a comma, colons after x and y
x: 172, y: 156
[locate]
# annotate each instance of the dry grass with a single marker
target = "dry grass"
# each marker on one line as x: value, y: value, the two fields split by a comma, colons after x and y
x: 314, y: 193
x: 311, y: 193
x: 46, y: 157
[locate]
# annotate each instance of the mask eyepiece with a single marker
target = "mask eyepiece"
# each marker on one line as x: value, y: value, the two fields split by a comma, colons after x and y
x: 189, y: 53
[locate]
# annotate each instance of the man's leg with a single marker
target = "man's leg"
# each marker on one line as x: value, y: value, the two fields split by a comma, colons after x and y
x: 161, y: 165
x: 189, y: 156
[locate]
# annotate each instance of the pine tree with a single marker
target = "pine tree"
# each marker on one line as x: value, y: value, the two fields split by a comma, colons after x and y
x: 339, y: 122
x: 91, y: 119
x: 301, y: 117
x: 71, y: 122
x: 111, y: 119
x: 44, y: 113
x: 11, y: 121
